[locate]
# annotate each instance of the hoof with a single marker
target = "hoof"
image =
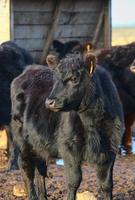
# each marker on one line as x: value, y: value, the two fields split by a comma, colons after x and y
x: 125, y: 150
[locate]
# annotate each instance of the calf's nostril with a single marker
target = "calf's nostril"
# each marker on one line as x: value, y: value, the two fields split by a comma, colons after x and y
x: 50, y: 102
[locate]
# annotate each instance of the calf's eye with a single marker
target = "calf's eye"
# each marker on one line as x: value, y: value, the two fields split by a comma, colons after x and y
x: 77, y: 52
x: 73, y: 79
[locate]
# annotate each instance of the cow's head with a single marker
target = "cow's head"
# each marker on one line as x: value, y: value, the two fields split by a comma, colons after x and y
x: 72, y: 76
x: 70, y: 47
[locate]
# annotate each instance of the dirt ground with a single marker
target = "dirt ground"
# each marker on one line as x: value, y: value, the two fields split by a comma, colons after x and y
x: 124, y: 181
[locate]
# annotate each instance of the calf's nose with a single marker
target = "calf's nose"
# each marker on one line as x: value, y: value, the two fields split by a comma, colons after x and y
x: 50, y: 103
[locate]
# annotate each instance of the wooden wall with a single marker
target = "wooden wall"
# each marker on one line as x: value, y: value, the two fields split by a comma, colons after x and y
x: 31, y: 20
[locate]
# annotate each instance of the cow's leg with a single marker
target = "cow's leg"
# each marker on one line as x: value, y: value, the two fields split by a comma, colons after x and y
x: 12, y: 150
x: 27, y: 166
x: 127, y: 137
x: 40, y: 174
x: 73, y: 174
x: 105, y: 178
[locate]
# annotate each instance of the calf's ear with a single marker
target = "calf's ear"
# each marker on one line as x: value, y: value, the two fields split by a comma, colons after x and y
x: 52, y: 61
x: 90, y: 60
x: 58, y: 46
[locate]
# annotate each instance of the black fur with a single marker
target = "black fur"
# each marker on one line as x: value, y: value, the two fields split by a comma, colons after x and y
x: 13, y: 60
x: 41, y: 133
x: 66, y: 48
x: 116, y: 61
x: 97, y: 103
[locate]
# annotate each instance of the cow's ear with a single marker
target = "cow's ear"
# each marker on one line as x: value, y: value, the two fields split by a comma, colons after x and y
x: 52, y: 61
x: 58, y: 46
x: 90, y: 60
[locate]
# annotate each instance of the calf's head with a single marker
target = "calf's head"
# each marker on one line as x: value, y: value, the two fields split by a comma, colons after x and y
x: 71, y: 79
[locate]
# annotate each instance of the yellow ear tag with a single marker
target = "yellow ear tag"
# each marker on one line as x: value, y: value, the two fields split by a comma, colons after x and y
x: 91, y: 67
x: 88, y: 47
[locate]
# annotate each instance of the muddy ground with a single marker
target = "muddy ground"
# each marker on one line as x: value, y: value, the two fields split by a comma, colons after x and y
x: 124, y: 181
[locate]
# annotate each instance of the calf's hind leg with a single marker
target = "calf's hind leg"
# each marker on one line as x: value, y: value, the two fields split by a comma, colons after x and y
x: 105, y: 178
x: 40, y: 174
x: 12, y: 150
x: 27, y: 167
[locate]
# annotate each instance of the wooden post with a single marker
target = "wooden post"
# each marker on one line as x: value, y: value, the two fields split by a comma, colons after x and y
x: 98, y: 28
x: 51, y: 31
x: 107, y: 24
x: 11, y: 20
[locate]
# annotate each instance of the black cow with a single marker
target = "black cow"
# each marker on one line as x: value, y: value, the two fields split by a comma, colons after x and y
x: 41, y: 133
x: 117, y: 61
x: 13, y: 60
x: 92, y: 94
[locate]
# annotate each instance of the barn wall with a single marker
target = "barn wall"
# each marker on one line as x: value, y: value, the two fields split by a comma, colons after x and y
x: 31, y: 20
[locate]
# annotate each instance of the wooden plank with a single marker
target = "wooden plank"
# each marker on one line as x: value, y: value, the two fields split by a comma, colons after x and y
x: 75, y: 30
x: 42, y: 18
x: 33, y: 18
x: 107, y: 24
x: 27, y: 31
x: 31, y: 44
x: 82, y: 5
x: 11, y: 20
x: 51, y: 31
x: 70, y: 5
x: 98, y: 27
x: 33, y: 5
x: 40, y: 31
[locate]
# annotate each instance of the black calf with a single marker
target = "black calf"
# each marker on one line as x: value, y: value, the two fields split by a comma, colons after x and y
x: 41, y: 133
x: 79, y: 87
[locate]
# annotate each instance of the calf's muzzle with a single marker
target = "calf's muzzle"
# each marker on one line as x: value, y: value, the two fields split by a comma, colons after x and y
x: 50, y: 103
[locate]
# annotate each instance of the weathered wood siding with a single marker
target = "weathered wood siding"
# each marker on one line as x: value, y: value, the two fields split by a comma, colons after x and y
x: 32, y: 18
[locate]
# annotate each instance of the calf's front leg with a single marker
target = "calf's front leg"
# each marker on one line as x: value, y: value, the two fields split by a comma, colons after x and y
x: 105, y: 177
x: 72, y: 166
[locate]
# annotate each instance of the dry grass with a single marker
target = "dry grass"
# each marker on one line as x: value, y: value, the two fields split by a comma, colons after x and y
x: 121, y: 36
x: 3, y: 140
x: 4, y: 21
